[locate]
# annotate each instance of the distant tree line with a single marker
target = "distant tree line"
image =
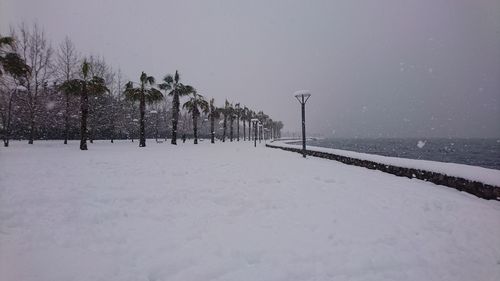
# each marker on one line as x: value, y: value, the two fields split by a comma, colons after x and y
x: 48, y: 93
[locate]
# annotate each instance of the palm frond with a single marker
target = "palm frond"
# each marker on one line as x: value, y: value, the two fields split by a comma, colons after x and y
x: 177, y: 77
x: 132, y: 94
x: 14, y: 64
x: 185, y: 90
x: 203, y: 104
x: 153, y: 95
x: 72, y: 87
x: 6, y: 41
x: 97, y: 86
x: 168, y: 79
x: 85, y: 68
x: 129, y: 85
x: 188, y: 105
x: 165, y: 86
x: 150, y: 80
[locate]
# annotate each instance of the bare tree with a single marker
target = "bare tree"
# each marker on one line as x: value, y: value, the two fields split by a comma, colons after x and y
x: 35, y: 50
x: 11, y: 68
x: 66, y: 68
x: 9, y: 87
x: 116, y: 105
x: 99, y: 112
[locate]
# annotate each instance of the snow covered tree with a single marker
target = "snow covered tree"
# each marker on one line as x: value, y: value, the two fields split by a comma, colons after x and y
x: 35, y: 50
x: 10, y: 61
x: 237, y: 112
x: 66, y: 67
x: 225, y: 111
x: 195, y: 105
x: 244, y: 118
x: 144, y: 93
x: 251, y: 114
x: 214, y: 113
x: 175, y: 89
x: 100, y: 106
x: 84, y: 87
x: 12, y: 69
x: 230, y: 113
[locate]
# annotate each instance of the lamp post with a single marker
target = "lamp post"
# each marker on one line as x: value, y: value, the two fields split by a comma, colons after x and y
x: 302, y: 97
x: 254, y: 124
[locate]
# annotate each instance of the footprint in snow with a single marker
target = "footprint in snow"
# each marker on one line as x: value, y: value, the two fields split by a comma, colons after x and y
x: 328, y: 180
x: 269, y: 180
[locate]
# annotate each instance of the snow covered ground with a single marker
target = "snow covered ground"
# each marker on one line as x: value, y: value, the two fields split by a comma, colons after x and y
x: 230, y: 212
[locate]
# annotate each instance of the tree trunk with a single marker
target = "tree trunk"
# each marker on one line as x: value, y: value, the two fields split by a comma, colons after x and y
x: 6, y: 137
x: 195, y: 128
x: 225, y: 128
x: 244, y: 131
x: 231, y: 122
x: 212, y: 129
x: 249, y: 130
x: 84, y: 107
x: 238, y: 128
x: 142, y: 109
x: 32, y: 125
x: 112, y: 133
x: 66, y: 120
x: 156, y: 126
x: 175, y: 117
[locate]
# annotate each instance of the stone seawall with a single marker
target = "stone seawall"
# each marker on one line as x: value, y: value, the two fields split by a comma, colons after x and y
x: 479, y: 189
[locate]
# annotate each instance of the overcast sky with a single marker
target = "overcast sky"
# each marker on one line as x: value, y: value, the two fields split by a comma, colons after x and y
x: 385, y: 68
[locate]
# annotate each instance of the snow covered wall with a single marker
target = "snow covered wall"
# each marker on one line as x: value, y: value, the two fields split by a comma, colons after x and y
x: 482, y: 182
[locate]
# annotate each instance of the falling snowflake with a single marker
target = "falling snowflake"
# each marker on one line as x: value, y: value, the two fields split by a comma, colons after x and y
x: 50, y: 105
x: 420, y: 144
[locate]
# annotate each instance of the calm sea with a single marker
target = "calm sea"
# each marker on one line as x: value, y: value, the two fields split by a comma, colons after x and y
x: 475, y: 152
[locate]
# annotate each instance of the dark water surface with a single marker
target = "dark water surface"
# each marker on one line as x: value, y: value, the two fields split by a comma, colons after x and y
x: 475, y: 152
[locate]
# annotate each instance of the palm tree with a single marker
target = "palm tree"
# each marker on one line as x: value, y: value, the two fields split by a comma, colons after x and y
x: 251, y: 114
x: 237, y: 110
x: 11, y: 62
x: 230, y: 113
x: 195, y: 105
x: 269, y: 125
x: 225, y: 111
x: 279, y: 126
x: 214, y: 113
x: 243, y: 118
x: 262, y: 119
x: 144, y: 93
x: 176, y: 90
x: 84, y: 87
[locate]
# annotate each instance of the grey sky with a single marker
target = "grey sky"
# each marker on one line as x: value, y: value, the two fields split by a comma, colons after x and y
x: 389, y: 68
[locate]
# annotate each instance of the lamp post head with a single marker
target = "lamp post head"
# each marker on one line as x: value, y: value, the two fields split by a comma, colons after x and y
x: 302, y: 96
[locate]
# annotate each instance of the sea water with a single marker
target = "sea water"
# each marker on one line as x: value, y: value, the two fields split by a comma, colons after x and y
x: 475, y: 152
